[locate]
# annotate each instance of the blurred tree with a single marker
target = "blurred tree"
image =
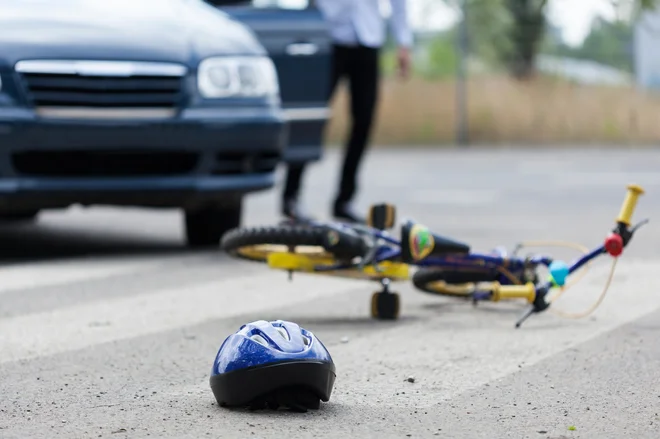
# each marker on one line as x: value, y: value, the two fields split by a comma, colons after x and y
x: 488, y: 23
x: 504, y: 32
x: 442, y: 58
x: 607, y: 43
x: 526, y: 34
x: 511, y: 32
x: 643, y: 4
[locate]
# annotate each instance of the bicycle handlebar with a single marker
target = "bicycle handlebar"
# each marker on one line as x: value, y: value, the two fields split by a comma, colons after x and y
x: 629, y: 204
x: 614, y: 244
x: 504, y: 292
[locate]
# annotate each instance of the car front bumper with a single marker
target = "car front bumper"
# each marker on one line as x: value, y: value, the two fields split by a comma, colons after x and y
x: 199, y: 156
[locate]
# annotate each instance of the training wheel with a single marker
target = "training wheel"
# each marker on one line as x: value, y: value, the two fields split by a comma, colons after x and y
x: 385, y: 306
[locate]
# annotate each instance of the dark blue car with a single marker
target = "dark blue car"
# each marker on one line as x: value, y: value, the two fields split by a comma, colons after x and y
x: 184, y: 104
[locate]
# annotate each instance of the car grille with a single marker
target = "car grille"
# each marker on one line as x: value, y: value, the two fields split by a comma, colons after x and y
x: 66, y: 84
x: 100, y: 163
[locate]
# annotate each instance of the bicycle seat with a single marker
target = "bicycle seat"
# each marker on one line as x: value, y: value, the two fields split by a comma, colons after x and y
x: 417, y: 243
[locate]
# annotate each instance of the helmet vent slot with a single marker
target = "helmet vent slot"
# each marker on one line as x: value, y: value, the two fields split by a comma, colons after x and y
x: 284, y: 332
x: 259, y: 339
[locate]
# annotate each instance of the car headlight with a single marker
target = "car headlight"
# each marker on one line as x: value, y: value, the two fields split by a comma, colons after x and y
x: 223, y: 77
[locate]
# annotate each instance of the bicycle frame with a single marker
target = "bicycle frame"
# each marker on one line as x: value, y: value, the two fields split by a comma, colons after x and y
x: 391, y: 252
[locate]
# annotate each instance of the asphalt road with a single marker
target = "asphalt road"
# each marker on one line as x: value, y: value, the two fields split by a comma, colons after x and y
x: 108, y: 326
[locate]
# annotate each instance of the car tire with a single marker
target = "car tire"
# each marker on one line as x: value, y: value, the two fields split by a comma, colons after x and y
x: 19, y: 217
x: 206, y: 226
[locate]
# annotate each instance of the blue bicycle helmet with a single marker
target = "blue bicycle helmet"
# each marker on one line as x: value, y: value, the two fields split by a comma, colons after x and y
x: 271, y: 365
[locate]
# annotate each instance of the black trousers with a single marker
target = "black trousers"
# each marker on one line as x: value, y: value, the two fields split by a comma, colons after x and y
x: 360, y: 66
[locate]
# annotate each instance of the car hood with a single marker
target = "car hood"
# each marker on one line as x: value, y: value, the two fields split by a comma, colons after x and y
x: 182, y: 31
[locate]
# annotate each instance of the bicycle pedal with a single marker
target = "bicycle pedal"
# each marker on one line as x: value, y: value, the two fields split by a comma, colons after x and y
x: 381, y: 216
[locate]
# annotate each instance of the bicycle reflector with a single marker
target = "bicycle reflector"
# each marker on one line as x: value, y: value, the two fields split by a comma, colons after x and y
x: 614, y: 244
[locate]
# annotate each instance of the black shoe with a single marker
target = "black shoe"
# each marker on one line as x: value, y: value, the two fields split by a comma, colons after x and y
x: 345, y: 212
x: 291, y: 210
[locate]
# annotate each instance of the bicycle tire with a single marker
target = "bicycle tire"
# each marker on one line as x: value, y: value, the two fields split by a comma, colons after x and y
x: 447, y: 282
x: 256, y: 243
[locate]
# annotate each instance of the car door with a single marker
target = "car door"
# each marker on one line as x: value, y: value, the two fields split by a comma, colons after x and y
x: 297, y: 39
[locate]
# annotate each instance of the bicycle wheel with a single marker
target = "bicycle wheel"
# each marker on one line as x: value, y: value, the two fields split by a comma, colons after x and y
x: 321, y: 245
x: 448, y: 282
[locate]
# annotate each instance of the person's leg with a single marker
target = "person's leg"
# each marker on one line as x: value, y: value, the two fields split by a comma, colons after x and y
x: 296, y: 171
x: 364, y: 76
x: 292, y: 183
x: 290, y: 208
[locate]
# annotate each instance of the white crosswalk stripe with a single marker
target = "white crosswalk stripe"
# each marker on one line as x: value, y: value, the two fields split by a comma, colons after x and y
x: 47, y: 274
x: 77, y: 327
x: 456, y: 197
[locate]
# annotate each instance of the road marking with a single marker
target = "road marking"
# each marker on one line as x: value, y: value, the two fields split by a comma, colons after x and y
x: 476, y: 197
x: 42, y: 274
x: 613, y: 179
x: 67, y: 329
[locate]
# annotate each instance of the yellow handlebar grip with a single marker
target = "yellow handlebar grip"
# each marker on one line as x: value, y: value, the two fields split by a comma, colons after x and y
x: 629, y: 204
x: 507, y: 292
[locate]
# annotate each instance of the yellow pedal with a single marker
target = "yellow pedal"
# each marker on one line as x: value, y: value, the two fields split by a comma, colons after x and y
x: 390, y: 270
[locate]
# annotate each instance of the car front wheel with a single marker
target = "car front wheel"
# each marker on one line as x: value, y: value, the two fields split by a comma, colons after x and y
x: 206, y: 226
x: 22, y: 216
